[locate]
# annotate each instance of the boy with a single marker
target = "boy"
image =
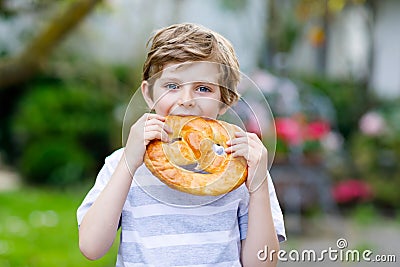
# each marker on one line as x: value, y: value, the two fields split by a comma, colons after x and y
x: 182, y: 76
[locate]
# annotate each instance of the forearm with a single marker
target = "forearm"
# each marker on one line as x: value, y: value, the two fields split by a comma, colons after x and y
x: 100, y: 224
x: 261, y: 231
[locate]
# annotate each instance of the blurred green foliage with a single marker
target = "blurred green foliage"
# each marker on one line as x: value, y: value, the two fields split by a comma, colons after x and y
x: 38, y: 228
x: 376, y: 157
x: 55, y: 162
x: 349, y: 98
x: 372, y: 158
x: 62, y: 132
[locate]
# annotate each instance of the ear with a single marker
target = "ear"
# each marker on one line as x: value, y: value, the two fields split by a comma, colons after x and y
x: 147, y: 94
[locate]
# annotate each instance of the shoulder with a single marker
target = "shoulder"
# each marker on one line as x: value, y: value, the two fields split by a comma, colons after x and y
x: 115, y: 156
x: 109, y: 166
x: 111, y: 161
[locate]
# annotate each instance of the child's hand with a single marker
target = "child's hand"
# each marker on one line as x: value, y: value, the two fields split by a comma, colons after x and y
x: 146, y: 128
x: 249, y: 146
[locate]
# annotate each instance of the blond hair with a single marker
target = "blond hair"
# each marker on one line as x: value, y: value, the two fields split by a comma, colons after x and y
x: 187, y: 42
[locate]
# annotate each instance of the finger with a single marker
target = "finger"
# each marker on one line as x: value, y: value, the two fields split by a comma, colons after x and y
x: 250, y: 136
x: 235, y: 148
x: 250, y: 153
x: 151, y: 135
x: 239, y: 140
x: 149, y: 116
x: 157, y: 129
x: 237, y: 134
x: 154, y: 122
x: 161, y: 124
x: 241, y: 153
x: 240, y: 133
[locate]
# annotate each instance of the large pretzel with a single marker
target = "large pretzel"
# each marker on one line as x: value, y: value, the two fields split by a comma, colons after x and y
x: 198, y: 142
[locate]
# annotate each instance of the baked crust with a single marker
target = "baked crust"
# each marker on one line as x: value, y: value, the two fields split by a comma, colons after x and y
x: 194, y: 142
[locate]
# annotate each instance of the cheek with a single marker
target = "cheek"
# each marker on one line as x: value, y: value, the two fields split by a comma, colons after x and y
x: 210, y: 102
x: 161, y: 99
x: 164, y: 104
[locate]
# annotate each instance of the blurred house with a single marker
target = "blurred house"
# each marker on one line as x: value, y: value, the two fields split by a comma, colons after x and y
x: 363, y: 44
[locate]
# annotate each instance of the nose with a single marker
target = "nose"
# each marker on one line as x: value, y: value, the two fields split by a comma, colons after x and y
x: 186, y: 98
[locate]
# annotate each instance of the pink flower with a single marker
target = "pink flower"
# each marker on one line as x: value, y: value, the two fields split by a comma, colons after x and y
x: 352, y: 190
x: 317, y: 130
x: 372, y: 124
x: 289, y: 130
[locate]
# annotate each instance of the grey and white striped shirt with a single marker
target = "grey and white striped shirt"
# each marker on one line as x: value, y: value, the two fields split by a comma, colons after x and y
x: 164, y: 227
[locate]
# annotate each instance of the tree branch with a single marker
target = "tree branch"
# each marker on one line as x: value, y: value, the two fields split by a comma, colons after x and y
x: 14, y: 71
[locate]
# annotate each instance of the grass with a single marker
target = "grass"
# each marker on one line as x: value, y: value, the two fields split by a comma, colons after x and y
x: 38, y: 228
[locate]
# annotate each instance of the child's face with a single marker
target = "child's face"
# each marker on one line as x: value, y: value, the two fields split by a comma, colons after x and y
x: 186, y: 89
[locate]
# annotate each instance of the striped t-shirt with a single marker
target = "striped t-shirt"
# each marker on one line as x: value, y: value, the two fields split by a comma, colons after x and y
x: 164, y: 227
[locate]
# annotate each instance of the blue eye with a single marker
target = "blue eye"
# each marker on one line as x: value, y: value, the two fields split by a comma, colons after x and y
x: 172, y: 86
x: 203, y: 89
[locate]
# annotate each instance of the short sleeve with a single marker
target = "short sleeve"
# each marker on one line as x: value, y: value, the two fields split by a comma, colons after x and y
x: 275, y: 210
x: 102, y: 179
x: 243, y: 226
x: 243, y: 211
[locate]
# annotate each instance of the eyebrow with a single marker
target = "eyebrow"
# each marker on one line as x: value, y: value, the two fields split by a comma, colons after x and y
x: 179, y: 82
x: 169, y: 79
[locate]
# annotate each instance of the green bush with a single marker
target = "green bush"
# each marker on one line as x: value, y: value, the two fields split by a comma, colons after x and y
x: 376, y: 154
x: 61, y: 131
x: 373, y: 157
x: 55, y: 162
x: 350, y: 100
